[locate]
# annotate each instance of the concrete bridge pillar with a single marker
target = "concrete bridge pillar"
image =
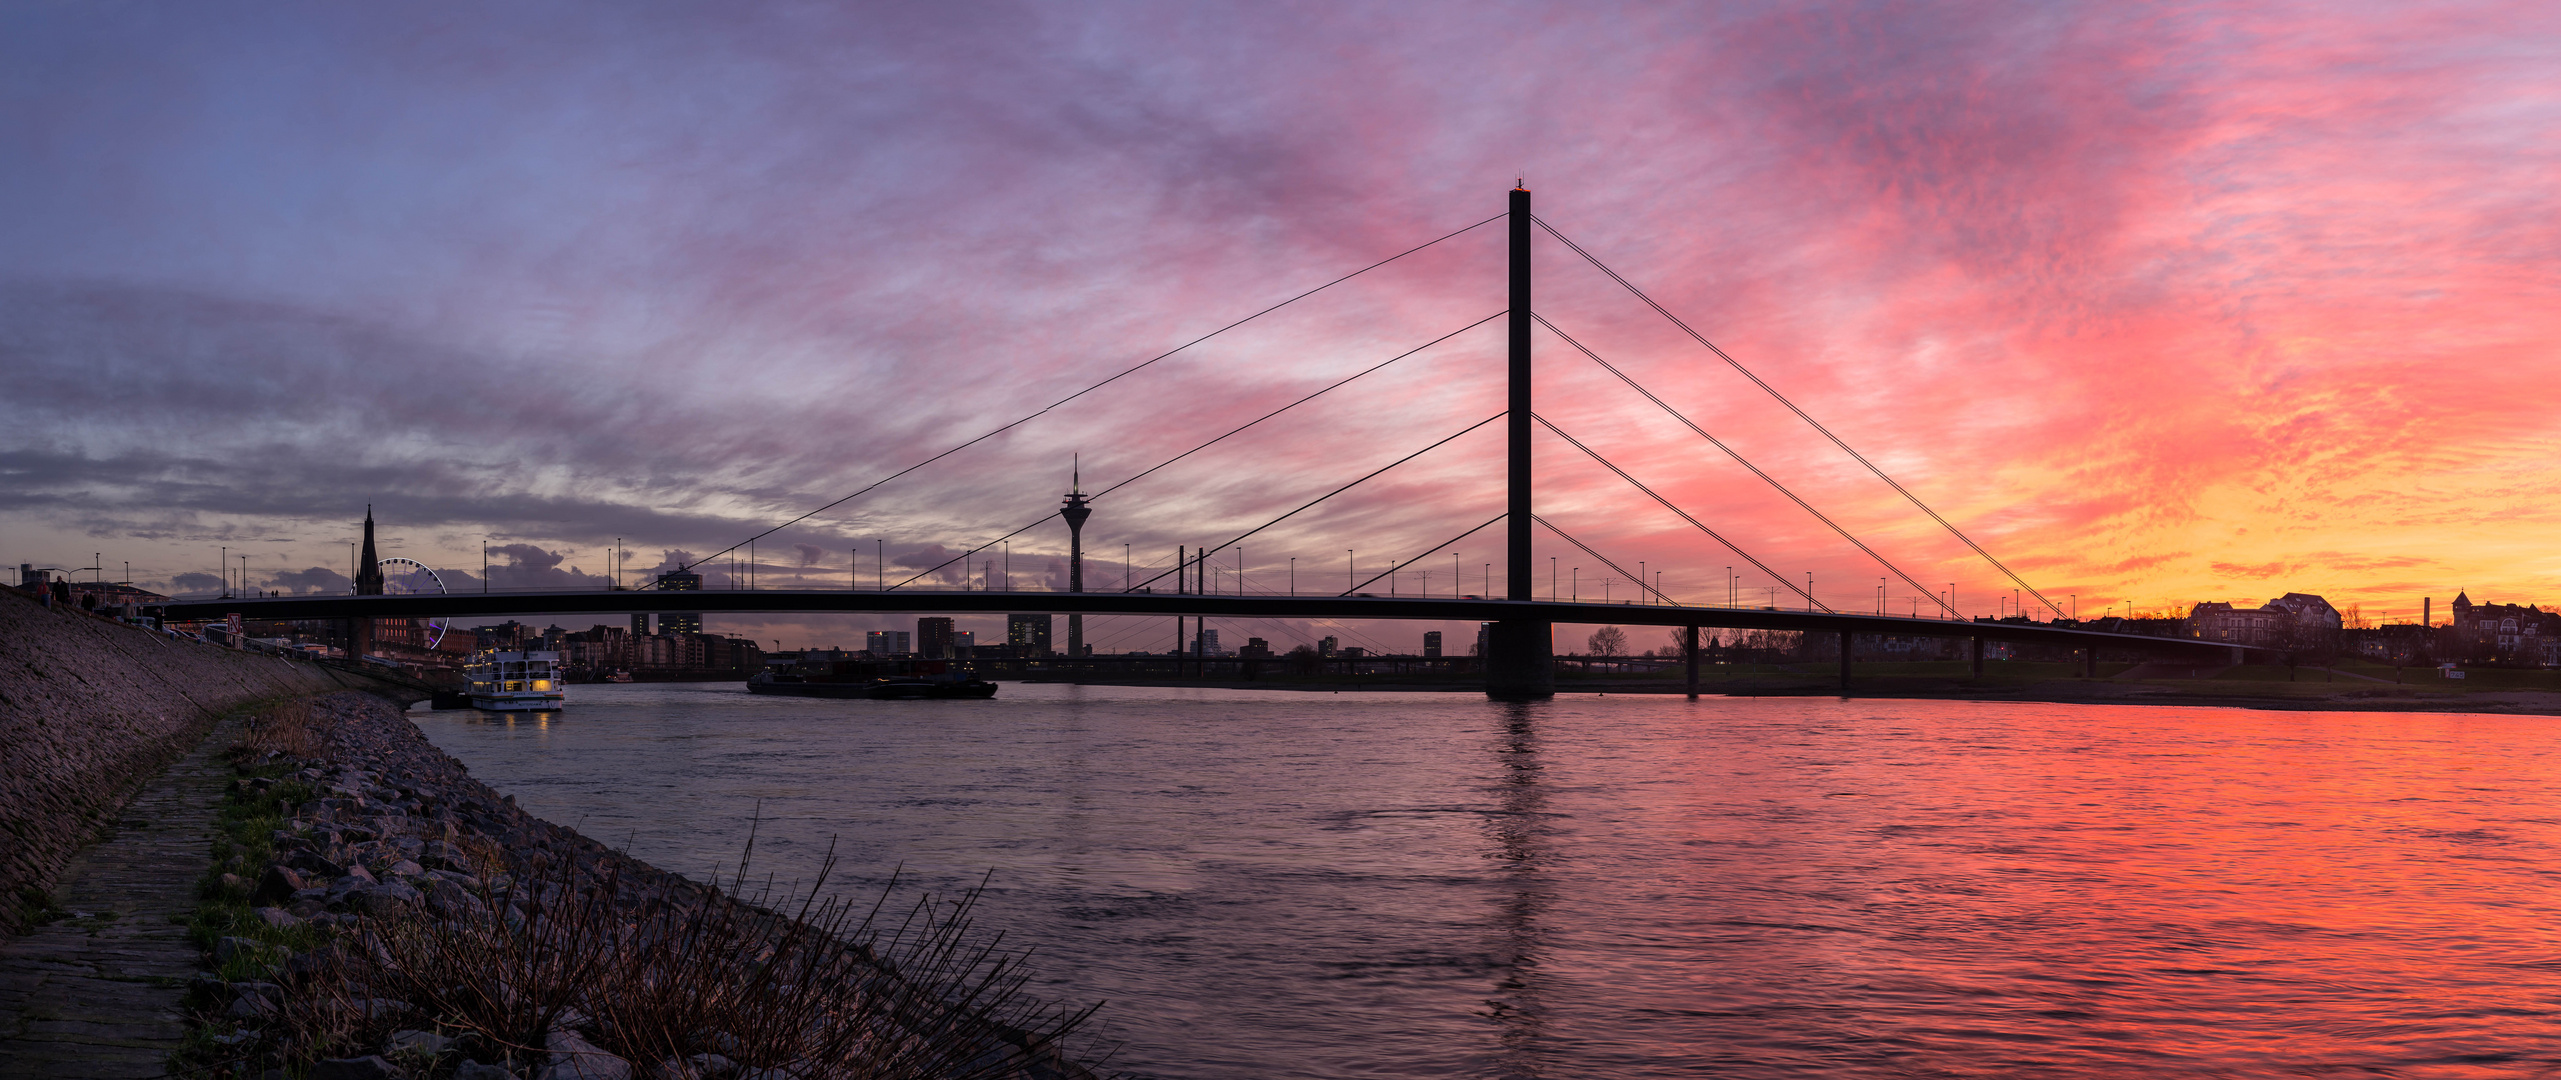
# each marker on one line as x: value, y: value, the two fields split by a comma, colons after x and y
x: 2090, y: 662
x: 1978, y: 657
x: 1520, y: 661
x: 1689, y: 650
x: 1846, y: 638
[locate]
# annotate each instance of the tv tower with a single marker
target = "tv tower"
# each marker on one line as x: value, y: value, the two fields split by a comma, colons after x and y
x: 1076, y: 511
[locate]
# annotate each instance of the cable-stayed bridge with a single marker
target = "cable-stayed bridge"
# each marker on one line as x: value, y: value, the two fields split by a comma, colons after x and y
x: 1518, y: 656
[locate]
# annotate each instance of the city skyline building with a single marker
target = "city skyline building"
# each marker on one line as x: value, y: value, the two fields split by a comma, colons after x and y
x: 680, y: 622
x: 934, y: 637
x: 1029, y: 634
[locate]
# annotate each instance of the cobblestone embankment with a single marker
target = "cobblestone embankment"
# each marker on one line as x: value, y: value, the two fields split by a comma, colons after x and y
x: 98, y: 991
x: 89, y: 710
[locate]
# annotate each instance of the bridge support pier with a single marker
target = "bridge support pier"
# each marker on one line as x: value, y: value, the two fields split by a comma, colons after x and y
x: 1846, y: 638
x: 2090, y: 662
x: 1689, y: 650
x: 1520, y: 661
x: 1978, y: 657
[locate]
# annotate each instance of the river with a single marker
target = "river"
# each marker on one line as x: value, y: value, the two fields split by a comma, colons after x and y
x: 1273, y: 884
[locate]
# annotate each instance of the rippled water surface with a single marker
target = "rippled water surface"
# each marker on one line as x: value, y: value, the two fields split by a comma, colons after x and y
x: 1411, y: 885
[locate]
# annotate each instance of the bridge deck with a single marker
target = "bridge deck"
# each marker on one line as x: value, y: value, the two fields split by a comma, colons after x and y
x: 904, y: 601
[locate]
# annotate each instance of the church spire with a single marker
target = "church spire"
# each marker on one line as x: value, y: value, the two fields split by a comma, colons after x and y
x: 368, y: 564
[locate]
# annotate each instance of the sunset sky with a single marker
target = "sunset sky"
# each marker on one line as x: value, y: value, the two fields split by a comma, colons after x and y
x: 2161, y: 303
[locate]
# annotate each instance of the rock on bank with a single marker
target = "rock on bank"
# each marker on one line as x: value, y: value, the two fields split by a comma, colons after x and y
x: 91, y: 708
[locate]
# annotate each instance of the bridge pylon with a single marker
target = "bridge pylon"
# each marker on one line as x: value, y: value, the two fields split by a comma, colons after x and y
x: 1520, y: 654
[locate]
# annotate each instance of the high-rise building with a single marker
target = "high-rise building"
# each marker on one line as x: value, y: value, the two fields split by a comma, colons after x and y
x: 1431, y: 643
x: 680, y: 622
x: 1028, y: 634
x: 1327, y: 646
x: 933, y: 637
x: 1206, y: 644
x: 640, y: 624
x: 964, y: 643
x: 1255, y: 649
x: 887, y: 643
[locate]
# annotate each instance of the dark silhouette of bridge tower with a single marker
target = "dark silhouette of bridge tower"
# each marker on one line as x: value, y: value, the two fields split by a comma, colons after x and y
x: 1519, y: 646
x: 1519, y: 653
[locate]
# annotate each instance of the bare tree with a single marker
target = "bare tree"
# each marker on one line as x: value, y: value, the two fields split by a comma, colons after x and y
x: 1607, y: 641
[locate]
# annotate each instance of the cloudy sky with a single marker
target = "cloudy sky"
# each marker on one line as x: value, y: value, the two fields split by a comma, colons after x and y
x: 2160, y: 303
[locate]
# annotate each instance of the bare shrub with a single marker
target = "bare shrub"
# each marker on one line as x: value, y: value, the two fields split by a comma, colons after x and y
x: 287, y: 727
x: 819, y: 992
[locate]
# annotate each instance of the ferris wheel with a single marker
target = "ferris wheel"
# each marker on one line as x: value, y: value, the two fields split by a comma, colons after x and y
x: 409, y: 577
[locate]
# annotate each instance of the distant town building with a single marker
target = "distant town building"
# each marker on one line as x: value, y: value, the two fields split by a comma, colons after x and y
x: 934, y: 637
x: 1028, y: 634
x: 964, y: 643
x: 1206, y: 644
x: 1328, y: 646
x: 640, y: 624
x: 2216, y: 620
x: 2310, y: 612
x: 1255, y: 649
x: 2522, y: 633
x: 1431, y: 643
x: 887, y: 643
x: 2291, y: 621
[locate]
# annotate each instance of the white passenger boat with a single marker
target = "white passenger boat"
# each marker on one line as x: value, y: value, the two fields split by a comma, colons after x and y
x: 516, y: 681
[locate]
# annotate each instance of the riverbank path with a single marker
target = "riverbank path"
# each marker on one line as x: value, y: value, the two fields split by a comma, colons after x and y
x: 96, y: 994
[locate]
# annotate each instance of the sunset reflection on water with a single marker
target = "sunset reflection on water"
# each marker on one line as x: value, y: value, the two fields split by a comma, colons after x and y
x: 1436, y: 885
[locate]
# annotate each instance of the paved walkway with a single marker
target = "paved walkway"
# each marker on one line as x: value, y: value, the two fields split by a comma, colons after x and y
x: 97, y: 995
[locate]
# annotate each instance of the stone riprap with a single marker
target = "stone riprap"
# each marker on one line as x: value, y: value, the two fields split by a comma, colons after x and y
x: 89, y: 710
x: 392, y: 841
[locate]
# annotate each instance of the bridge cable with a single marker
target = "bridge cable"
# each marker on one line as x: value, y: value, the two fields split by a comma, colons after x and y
x: 1684, y: 514
x: 1394, y: 567
x: 1337, y: 384
x: 1240, y: 537
x: 1605, y: 560
x: 1801, y: 414
x: 1132, y: 369
x: 1739, y: 460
